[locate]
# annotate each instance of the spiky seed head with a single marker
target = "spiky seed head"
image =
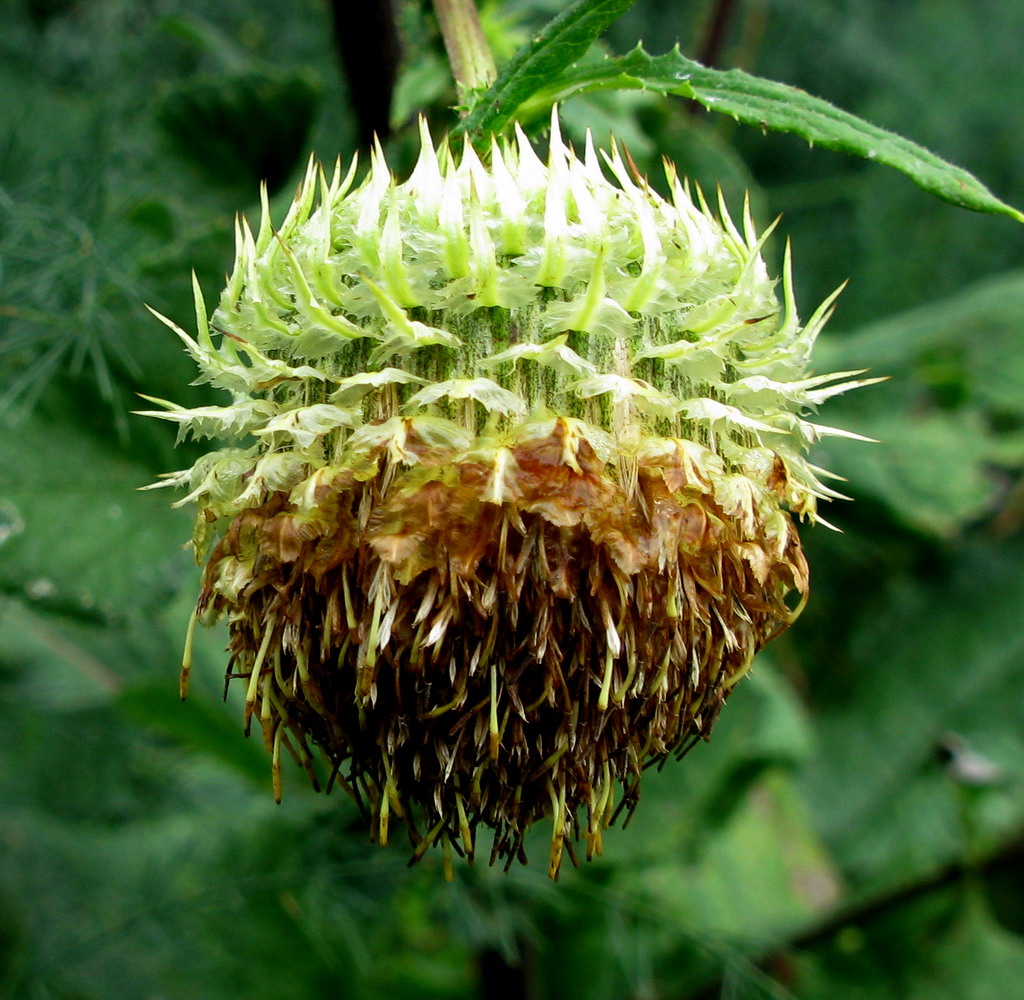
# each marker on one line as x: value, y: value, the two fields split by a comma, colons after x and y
x: 510, y: 509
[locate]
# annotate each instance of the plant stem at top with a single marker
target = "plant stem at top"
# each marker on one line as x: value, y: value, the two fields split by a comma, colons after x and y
x: 468, y: 52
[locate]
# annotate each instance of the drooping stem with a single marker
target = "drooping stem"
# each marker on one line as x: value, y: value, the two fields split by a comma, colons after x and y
x: 468, y: 52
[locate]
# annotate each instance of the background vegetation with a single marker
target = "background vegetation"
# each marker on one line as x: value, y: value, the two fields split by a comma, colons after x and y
x: 856, y: 826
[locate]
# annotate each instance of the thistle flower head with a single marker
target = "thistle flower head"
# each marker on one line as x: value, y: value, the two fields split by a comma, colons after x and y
x: 510, y: 506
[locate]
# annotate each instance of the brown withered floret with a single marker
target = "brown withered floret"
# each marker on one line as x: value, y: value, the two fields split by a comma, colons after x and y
x: 462, y: 662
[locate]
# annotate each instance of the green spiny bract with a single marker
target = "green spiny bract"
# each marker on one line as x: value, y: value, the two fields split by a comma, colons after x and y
x: 510, y: 513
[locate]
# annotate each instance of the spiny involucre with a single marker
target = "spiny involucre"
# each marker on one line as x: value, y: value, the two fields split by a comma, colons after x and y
x: 510, y: 513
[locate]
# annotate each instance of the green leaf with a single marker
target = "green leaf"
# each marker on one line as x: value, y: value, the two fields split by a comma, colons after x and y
x: 195, y: 723
x: 953, y: 409
x: 766, y: 104
x: 940, y: 655
x: 969, y: 316
x: 974, y: 339
x: 764, y: 871
x: 960, y: 952
x: 75, y: 534
x: 929, y: 470
x: 61, y: 661
x: 976, y: 960
x: 562, y: 42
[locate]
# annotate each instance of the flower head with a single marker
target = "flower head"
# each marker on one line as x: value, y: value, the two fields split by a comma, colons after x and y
x: 510, y: 510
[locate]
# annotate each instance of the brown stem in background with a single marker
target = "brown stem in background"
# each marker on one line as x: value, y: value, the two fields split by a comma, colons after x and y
x: 366, y: 36
x: 468, y: 52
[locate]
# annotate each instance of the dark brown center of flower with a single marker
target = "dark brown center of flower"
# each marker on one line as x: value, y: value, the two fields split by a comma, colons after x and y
x: 461, y: 662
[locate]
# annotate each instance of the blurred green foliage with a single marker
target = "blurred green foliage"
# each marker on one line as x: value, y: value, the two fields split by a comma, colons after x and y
x: 854, y: 828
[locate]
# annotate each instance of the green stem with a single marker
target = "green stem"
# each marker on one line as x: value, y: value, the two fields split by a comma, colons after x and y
x: 468, y: 52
